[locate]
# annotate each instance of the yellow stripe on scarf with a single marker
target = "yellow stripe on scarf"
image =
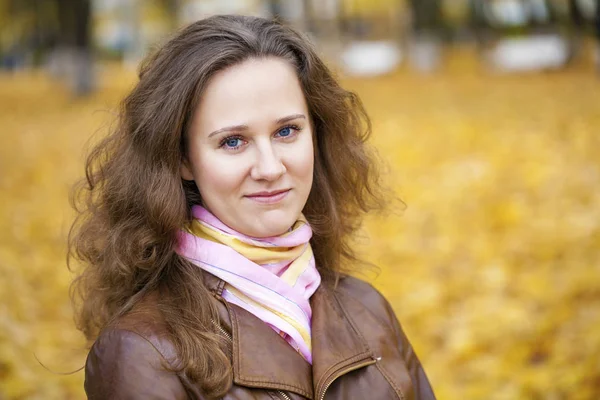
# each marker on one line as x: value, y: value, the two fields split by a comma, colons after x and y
x: 255, y: 253
x: 298, y: 266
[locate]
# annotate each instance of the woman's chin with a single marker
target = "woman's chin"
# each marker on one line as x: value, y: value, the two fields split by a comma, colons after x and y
x: 271, y: 225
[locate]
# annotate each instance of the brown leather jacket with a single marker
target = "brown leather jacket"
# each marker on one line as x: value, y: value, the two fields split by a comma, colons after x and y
x: 359, y: 352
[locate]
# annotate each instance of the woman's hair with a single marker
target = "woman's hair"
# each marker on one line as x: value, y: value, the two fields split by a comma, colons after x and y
x: 133, y: 201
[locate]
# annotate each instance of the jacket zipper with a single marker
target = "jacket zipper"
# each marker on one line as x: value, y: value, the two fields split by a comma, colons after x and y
x: 223, y: 331
x: 345, y: 371
x: 285, y: 396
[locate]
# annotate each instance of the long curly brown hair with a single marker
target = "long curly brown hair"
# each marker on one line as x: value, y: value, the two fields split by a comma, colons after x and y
x: 133, y: 201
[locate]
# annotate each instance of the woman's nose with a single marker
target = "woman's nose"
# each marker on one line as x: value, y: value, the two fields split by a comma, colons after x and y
x: 268, y: 165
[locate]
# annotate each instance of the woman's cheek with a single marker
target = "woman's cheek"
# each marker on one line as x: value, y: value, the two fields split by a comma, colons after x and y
x: 223, y: 172
x: 306, y: 156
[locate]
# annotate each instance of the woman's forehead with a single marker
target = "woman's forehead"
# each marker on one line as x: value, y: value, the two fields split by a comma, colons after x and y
x: 251, y: 92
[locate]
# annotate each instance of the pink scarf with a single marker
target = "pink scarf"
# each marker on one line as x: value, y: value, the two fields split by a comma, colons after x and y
x: 272, y: 278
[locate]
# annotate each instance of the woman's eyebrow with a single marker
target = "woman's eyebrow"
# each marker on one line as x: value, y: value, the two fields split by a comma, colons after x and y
x: 237, y: 128
x: 290, y: 118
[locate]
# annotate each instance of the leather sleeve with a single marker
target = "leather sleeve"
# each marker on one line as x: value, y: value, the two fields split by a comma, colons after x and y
x: 421, y: 384
x: 122, y: 365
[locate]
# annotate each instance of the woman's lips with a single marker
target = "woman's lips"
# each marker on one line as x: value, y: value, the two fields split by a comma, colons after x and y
x: 269, y: 198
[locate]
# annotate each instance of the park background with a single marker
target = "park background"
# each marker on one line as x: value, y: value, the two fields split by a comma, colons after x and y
x: 493, y: 265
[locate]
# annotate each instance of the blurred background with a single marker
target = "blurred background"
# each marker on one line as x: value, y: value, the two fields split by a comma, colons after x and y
x: 487, y: 113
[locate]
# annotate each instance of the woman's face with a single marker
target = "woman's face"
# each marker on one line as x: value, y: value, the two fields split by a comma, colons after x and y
x: 250, y: 148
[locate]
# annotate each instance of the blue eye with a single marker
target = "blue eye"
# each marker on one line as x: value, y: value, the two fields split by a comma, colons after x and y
x: 285, y: 131
x: 288, y: 131
x: 232, y: 142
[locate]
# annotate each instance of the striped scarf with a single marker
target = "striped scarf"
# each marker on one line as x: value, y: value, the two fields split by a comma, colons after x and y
x: 272, y: 278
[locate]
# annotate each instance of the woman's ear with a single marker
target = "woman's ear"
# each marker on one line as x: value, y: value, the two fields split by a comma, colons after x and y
x: 185, y: 171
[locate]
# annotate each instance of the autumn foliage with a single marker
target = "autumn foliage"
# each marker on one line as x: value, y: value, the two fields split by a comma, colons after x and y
x: 493, y: 266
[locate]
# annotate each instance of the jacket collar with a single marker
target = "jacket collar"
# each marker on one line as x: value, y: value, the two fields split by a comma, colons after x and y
x: 262, y: 359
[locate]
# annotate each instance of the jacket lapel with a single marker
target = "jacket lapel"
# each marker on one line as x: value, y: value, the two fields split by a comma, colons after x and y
x: 337, y: 344
x: 260, y: 357
x: 263, y: 359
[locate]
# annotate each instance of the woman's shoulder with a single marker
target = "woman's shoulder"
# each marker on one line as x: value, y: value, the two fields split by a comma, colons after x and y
x: 116, y: 345
x: 352, y: 284
x: 359, y: 292
x: 128, y: 360
x: 374, y: 317
x: 143, y: 325
x: 138, y: 329
x: 124, y: 364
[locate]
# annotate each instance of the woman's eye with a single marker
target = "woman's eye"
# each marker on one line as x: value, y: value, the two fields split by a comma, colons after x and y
x: 232, y: 142
x: 287, y: 131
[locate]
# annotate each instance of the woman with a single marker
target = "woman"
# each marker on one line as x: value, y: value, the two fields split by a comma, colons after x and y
x: 215, y: 228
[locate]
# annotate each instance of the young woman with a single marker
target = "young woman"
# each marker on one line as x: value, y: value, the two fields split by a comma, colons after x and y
x: 215, y: 228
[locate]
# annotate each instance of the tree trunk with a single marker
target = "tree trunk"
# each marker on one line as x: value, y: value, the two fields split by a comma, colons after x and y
x: 74, y: 56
